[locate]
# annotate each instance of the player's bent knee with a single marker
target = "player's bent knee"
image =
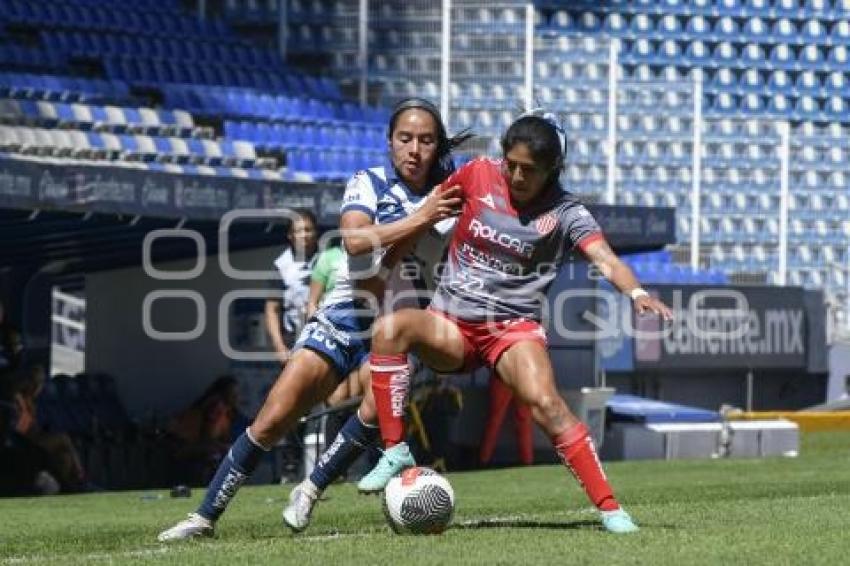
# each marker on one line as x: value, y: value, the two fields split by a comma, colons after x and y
x: 266, y: 431
x: 389, y: 333
x: 550, y: 410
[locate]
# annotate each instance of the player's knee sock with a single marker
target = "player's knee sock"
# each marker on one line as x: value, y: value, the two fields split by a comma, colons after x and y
x: 239, y: 463
x: 575, y: 446
x: 354, y: 437
x: 390, y: 383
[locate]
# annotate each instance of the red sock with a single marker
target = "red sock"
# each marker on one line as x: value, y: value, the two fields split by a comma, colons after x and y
x: 575, y: 447
x: 390, y: 383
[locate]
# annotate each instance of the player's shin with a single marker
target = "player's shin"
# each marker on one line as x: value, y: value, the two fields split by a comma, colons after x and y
x: 236, y: 467
x: 576, y: 449
x: 390, y: 384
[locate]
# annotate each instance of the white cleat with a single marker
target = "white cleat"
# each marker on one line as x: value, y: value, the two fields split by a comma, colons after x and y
x: 302, y: 499
x: 194, y: 526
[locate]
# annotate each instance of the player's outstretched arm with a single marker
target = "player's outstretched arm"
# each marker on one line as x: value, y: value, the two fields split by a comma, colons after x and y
x: 361, y: 236
x: 621, y: 276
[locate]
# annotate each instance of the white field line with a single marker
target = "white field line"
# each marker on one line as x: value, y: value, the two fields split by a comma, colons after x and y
x: 141, y: 553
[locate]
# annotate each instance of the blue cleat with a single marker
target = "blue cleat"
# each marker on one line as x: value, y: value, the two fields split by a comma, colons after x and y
x: 618, y: 521
x: 392, y: 462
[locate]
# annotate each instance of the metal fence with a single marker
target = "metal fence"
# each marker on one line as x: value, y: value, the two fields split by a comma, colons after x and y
x: 756, y: 196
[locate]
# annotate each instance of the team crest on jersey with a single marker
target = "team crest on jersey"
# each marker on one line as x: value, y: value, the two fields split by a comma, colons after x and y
x: 545, y: 224
x: 488, y: 200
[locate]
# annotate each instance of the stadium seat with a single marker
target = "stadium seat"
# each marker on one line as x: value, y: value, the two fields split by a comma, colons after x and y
x: 838, y: 58
x: 782, y: 57
x: 787, y: 8
x: 840, y: 33
x: 811, y: 56
x: 726, y: 29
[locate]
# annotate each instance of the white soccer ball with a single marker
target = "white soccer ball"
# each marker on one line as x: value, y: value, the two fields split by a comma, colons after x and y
x: 419, y: 501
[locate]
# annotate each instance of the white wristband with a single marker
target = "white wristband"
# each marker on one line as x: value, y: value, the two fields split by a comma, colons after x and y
x: 637, y: 293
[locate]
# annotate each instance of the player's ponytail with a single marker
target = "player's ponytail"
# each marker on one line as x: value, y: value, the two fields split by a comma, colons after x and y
x: 444, y: 165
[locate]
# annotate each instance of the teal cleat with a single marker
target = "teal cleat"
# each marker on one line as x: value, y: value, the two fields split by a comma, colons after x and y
x: 392, y: 462
x: 618, y: 521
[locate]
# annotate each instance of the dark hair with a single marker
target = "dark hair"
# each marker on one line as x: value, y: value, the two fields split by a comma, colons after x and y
x: 444, y: 165
x: 542, y: 140
x: 304, y: 214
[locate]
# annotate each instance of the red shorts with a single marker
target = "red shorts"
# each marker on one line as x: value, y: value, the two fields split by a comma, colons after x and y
x: 485, y: 342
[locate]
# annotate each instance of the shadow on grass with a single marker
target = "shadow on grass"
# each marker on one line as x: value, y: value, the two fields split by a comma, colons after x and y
x: 526, y: 524
x: 550, y: 525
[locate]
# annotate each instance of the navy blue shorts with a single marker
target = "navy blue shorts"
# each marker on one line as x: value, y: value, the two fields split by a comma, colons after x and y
x: 340, y: 333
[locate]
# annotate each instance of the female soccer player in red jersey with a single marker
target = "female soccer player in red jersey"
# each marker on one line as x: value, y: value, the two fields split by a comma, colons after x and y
x: 514, y: 232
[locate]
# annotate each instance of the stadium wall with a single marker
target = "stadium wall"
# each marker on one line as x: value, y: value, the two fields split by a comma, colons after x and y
x: 158, y: 377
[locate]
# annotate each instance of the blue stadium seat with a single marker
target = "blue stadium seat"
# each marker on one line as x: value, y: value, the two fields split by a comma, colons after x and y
x: 836, y: 83
x: 642, y: 26
x: 669, y: 52
x: 782, y: 57
x: 756, y: 30
x: 698, y: 27
x: 615, y: 23
x: 642, y: 50
x: 752, y: 103
x: 808, y: 83
x: 784, y: 31
x: 669, y: 26
x: 838, y: 58
x: 753, y: 55
x: 729, y: 7
x: 836, y: 109
x: 726, y: 29
x: 588, y: 22
x: 780, y: 81
x: 807, y: 108
x: 752, y: 80
x: 840, y: 32
x: 726, y: 54
x: 813, y: 31
x: 811, y: 56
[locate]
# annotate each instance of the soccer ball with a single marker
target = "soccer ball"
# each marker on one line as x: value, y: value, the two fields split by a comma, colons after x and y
x: 419, y: 501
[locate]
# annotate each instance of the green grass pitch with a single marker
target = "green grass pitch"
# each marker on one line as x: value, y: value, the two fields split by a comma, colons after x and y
x: 771, y: 511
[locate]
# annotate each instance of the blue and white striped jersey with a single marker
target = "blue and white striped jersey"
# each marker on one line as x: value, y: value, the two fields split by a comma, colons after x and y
x: 385, y: 198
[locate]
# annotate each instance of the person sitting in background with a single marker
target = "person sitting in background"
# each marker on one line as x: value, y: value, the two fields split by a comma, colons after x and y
x: 42, y: 463
x: 24, y: 467
x: 202, y: 433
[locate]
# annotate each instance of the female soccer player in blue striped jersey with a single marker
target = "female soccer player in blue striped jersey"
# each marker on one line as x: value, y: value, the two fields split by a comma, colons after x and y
x: 382, y: 206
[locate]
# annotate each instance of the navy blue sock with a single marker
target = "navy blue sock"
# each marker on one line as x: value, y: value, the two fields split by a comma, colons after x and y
x: 235, y: 468
x: 352, y: 440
